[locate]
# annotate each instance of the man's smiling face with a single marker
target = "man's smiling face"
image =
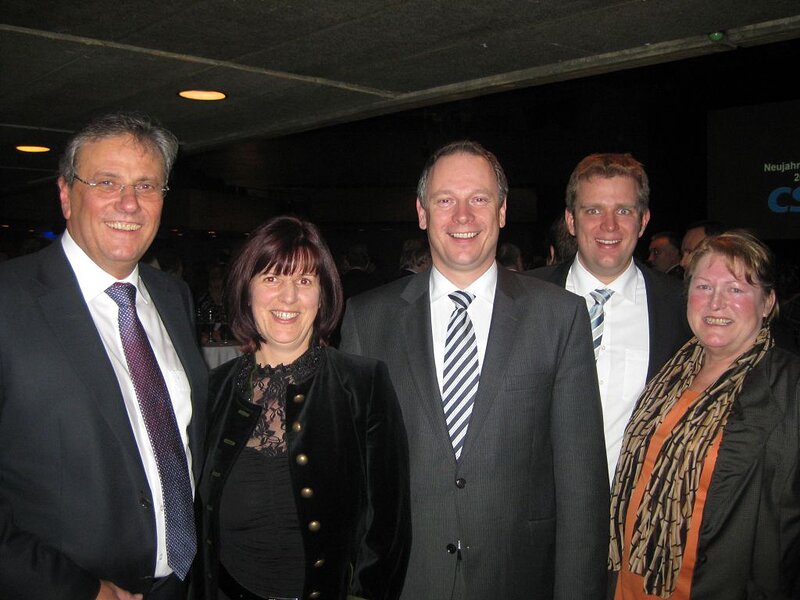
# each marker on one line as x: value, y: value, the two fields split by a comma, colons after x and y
x: 463, y: 215
x: 606, y: 223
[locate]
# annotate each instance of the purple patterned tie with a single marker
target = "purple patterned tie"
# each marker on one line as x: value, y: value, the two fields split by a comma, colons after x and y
x: 162, y: 429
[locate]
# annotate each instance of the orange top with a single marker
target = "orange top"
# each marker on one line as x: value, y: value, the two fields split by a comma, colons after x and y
x: 630, y: 586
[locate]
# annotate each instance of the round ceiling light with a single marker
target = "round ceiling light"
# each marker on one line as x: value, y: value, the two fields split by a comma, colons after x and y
x: 202, y: 95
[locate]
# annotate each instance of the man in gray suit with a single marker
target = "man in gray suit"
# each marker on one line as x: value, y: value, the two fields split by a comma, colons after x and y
x: 101, y: 422
x: 508, y: 484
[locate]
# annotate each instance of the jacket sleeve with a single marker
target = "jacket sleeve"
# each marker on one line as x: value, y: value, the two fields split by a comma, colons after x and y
x: 30, y: 568
x: 580, y: 471
x: 386, y: 541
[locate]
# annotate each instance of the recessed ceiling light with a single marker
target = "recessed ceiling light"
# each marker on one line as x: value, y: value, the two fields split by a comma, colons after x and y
x: 33, y: 148
x: 202, y: 95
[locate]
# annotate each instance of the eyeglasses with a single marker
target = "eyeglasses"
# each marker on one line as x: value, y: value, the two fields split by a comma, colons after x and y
x: 110, y: 187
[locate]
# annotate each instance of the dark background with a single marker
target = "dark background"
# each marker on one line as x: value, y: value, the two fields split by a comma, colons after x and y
x: 357, y: 180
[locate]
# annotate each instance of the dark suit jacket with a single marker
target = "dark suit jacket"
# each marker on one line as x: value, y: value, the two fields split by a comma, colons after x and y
x: 749, y: 542
x: 528, y: 501
x: 75, y: 505
x: 350, y: 430
x: 666, y: 310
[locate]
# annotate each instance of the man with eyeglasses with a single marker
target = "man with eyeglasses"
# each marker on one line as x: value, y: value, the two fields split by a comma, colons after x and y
x: 102, y: 387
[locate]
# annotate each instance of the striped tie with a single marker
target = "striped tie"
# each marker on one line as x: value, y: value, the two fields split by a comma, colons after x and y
x: 596, y: 316
x: 461, y: 371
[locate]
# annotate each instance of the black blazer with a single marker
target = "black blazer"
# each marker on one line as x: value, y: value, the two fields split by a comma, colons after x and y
x: 528, y: 501
x: 666, y: 310
x: 749, y: 542
x: 75, y: 505
x: 346, y: 443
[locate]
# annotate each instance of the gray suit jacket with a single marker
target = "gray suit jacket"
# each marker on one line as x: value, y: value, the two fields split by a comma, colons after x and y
x: 75, y: 505
x: 528, y: 501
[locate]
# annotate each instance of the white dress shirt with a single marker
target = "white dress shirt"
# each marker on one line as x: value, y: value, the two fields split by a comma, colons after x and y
x: 93, y: 282
x: 624, y: 349
x: 479, y: 311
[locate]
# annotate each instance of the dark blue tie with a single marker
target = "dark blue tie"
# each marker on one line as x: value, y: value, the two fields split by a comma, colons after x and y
x: 162, y: 429
x: 461, y: 370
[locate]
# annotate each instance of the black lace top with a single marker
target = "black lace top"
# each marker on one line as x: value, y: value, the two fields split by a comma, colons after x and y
x: 260, y: 541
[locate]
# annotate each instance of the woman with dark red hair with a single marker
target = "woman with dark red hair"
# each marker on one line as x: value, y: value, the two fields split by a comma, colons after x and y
x: 305, y: 486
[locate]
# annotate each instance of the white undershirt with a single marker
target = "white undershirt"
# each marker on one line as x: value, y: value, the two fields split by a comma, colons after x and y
x: 624, y: 350
x: 479, y: 311
x: 93, y: 282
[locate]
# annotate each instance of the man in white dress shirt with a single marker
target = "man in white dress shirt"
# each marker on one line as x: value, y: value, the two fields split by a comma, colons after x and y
x: 644, y: 318
x: 85, y: 496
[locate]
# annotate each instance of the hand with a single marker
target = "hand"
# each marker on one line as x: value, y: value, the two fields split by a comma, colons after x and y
x: 109, y: 591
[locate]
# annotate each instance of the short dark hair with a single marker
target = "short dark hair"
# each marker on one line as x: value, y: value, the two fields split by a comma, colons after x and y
x: 709, y: 227
x: 463, y: 147
x: 284, y: 245
x: 672, y: 237
x: 509, y: 255
x: 609, y: 165
x: 144, y: 129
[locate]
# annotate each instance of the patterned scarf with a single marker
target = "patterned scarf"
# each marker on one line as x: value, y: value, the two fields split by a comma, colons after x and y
x: 665, y: 512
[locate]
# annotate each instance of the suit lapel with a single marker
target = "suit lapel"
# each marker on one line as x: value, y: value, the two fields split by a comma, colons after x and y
x: 419, y: 353
x: 502, y: 333
x: 73, y: 329
x: 753, y: 417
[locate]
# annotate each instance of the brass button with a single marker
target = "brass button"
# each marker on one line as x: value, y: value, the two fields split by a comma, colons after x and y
x: 297, y: 427
x: 301, y: 459
x: 306, y: 492
x: 319, y: 563
x: 299, y: 398
x: 313, y: 595
x: 314, y: 526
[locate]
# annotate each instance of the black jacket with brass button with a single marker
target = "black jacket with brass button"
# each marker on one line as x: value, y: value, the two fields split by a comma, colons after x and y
x: 348, y: 460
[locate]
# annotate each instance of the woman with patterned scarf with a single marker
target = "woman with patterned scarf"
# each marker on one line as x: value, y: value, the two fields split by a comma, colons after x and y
x: 706, y: 498
x: 305, y: 490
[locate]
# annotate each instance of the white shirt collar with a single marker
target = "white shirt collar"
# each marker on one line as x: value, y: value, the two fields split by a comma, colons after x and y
x: 93, y: 280
x: 483, y: 287
x: 623, y: 286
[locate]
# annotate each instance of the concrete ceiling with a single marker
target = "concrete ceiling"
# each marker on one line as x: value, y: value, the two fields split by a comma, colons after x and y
x: 291, y: 66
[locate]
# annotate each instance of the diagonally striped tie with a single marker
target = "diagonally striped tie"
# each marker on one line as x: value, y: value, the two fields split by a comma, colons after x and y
x: 600, y: 296
x: 461, y: 370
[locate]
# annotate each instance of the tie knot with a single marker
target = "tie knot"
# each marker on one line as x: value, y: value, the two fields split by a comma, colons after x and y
x: 461, y: 298
x: 601, y: 296
x: 124, y: 294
